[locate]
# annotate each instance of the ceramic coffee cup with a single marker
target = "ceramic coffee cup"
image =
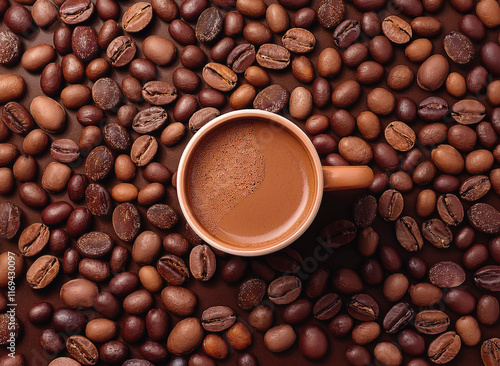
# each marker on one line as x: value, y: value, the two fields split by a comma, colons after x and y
x: 246, y: 170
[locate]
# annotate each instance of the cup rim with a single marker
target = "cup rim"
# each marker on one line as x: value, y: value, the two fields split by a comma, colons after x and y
x: 217, y: 122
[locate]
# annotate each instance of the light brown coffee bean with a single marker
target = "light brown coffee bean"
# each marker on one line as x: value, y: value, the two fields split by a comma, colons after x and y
x: 12, y: 87
x: 448, y: 159
x: 329, y: 62
x: 433, y: 73
x: 42, y: 272
x: 301, y: 103
x: 444, y: 348
x: 396, y: 29
x: 388, y: 354
x: 48, y: 114
x: 380, y: 101
x: 468, y: 330
x: 355, y: 150
x: 400, y: 77
x: 56, y: 176
x: 365, y: 333
x: 400, y: 136
x: 277, y: 18
x: 185, y: 337
x: 419, y: 50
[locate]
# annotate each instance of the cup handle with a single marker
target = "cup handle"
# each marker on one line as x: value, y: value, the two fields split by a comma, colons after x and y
x: 346, y: 177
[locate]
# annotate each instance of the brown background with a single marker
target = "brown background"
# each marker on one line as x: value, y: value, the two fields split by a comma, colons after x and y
x: 335, y: 204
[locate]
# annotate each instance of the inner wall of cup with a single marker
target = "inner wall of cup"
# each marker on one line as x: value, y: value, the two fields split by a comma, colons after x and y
x: 205, y: 133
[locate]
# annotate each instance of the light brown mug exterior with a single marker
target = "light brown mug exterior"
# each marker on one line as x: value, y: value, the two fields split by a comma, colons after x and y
x: 327, y: 178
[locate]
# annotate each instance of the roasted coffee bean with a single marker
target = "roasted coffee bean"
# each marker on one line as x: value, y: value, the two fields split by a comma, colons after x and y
x: 56, y: 213
x: 219, y: 76
x: 313, y: 342
x: 277, y: 18
x: 273, y: 56
x: 408, y: 234
x: 123, y: 284
x: 346, y: 33
x: 137, y: 17
x: 284, y: 290
x: 369, y: 72
x: 272, y: 99
x: 79, y: 221
x: 158, y: 93
x: 484, y: 218
x: 400, y: 136
x: 202, y: 117
x: 84, y: 42
x: 433, y: 72
x: 173, y: 269
x: 458, y: 47
x: 40, y: 313
x: 468, y: 111
x: 217, y: 318
x: 241, y: 57
x: 279, y: 338
x: 76, y: 11
x: 71, y: 259
x: 17, y: 118
x: 446, y: 274
x: 489, y: 351
x: 121, y: 51
x: 338, y: 233
x: 221, y: 50
x: 185, y: 337
x: 126, y: 221
x: 411, y: 343
x: 424, y: 173
x: 94, y: 244
x: 425, y: 294
x: 488, y: 278
x: 106, y: 94
x: 179, y: 300
x: 33, y: 239
x: 209, y: 25
x: 398, y: 317
x: 116, y: 137
x: 78, y: 293
x: 64, y: 150
x: 68, y: 320
x: 432, y: 322
x: 468, y: 330
x: 143, y: 150
x: 327, y: 306
x: 396, y: 29
x: 162, y: 216
x: 363, y: 307
x: 330, y: 13
x: 489, y: 53
x: 450, y: 209
x: 390, y: 205
x: 433, y: 109
x: 211, y: 98
x: 35, y: 142
x: 444, y: 348
x: 99, y: 163
x: 386, y: 157
x: 82, y: 349
x: 138, y: 302
x: 185, y: 80
x: 42, y: 272
x: 238, y: 336
x: 33, y: 195
x: 10, y: 220
x: 94, y: 269
x: 146, y: 247
x: 459, y: 301
x: 298, y: 40
x: 437, y: 233
x: 488, y: 310
x: 50, y: 341
x: 251, y: 293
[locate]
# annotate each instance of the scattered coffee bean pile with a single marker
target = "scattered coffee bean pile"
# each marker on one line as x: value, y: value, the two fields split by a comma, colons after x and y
x: 98, y: 101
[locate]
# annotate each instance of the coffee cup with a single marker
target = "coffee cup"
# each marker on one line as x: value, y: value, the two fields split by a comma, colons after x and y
x: 250, y: 182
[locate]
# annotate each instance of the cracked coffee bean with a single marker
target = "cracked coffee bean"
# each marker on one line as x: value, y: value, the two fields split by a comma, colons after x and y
x: 396, y: 29
x: 272, y: 56
x: 400, y: 136
x: 33, y: 239
x: 17, y: 118
x: 437, y: 233
x: 408, y: 234
x: 432, y: 322
x: 152, y: 118
x: 159, y: 93
x: 327, y: 306
x: 468, y: 111
x: 219, y: 77
x: 450, y: 209
x: 82, y: 350
x: 432, y: 109
x: 217, y: 318
x: 390, y: 205
x: 121, y: 51
x: 338, y: 233
x: 137, y: 17
x: 202, y: 262
x: 475, y: 187
x: 76, y: 11
x: 346, y: 33
x: 444, y: 348
x: 398, y: 317
x: 363, y: 307
x: 488, y: 278
x: 298, y: 40
x: 42, y: 272
x: 284, y: 290
x: 173, y: 269
x: 143, y: 150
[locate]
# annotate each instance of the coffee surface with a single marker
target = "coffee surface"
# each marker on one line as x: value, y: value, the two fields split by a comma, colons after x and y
x: 251, y: 183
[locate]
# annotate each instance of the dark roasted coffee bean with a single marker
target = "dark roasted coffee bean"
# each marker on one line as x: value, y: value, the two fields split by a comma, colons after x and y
x: 126, y: 221
x: 173, y: 269
x: 450, y: 209
x: 284, y: 290
x: 437, y: 233
x: 432, y: 322
x: 202, y: 262
x: 346, y: 33
x: 68, y: 321
x: 446, y: 274
x: 490, y: 352
x: 287, y: 260
x: 56, y: 213
x: 408, y: 234
x: 71, y: 259
x: 273, y: 56
x: 272, y: 99
x: 162, y: 216
x: 365, y: 211
x: 182, y: 32
x: 398, y: 317
x: 33, y: 239
x: 143, y: 150
x: 209, y: 25
x: 468, y: 111
x: 432, y: 109
x: 82, y: 349
x: 444, y: 348
x: 107, y: 305
x: 241, y: 57
x: 76, y: 11
x: 484, y: 218
x: 94, y: 269
x: 99, y: 163
x: 137, y: 17
x: 460, y: 301
x: 217, y: 318
x: 94, y: 244
x: 338, y: 233
x: 121, y: 51
x: 475, y: 187
x: 40, y: 313
x: 42, y: 272
x: 363, y: 307
x: 331, y: 13
x: 488, y: 278
x: 221, y: 50
x: 251, y: 293
x: 390, y: 205
x: 297, y: 311
x: 114, y: 352
x: 116, y: 137
x: 106, y: 94
x: 458, y: 47
x: 327, y: 306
